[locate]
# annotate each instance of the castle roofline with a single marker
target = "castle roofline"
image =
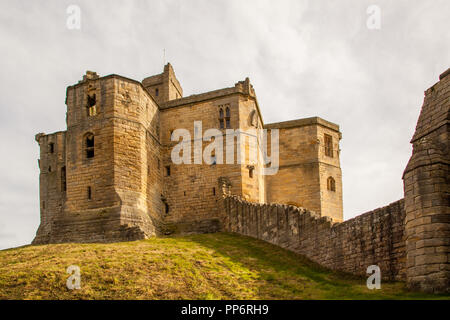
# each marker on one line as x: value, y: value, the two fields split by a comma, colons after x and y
x: 242, y: 87
x: 39, y: 135
x: 194, y: 98
x: 115, y: 76
x: 302, y: 123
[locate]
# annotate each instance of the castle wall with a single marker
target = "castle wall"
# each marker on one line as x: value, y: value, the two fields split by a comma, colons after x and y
x: 373, y: 238
x: 51, y: 192
x: 137, y: 178
x: 253, y: 186
x: 191, y: 190
x: 331, y: 201
x: 427, y: 186
x: 96, y: 173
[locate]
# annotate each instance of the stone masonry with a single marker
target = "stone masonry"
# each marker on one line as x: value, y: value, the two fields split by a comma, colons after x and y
x: 373, y: 238
x: 408, y: 239
x: 427, y: 193
x: 110, y: 176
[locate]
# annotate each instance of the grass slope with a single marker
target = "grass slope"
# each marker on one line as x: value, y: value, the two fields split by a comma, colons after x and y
x: 211, y: 266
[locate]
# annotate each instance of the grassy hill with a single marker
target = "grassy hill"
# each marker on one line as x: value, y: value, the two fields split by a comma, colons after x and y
x: 211, y: 266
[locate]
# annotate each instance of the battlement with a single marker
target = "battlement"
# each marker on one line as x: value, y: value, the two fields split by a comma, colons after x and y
x: 375, y: 237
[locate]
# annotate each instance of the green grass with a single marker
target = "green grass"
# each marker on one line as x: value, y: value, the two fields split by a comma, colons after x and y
x: 211, y: 266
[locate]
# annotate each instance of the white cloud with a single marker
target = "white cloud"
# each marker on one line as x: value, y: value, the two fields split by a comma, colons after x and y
x: 304, y: 58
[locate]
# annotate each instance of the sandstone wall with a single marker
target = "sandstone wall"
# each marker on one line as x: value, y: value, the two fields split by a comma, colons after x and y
x: 427, y: 193
x: 373, y: 238
x: 305, y: 168
x: 191, y: 190
x: 51, y: 192
x: 115, y: 194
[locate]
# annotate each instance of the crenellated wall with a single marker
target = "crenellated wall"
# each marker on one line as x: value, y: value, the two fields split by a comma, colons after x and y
x: 373, y: 238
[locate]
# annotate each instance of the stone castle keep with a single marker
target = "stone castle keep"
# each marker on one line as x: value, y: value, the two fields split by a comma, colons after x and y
x: 110, y: 177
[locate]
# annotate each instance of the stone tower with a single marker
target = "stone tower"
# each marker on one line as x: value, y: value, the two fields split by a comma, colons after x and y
x: 427, y: 193
x: 99, y: 179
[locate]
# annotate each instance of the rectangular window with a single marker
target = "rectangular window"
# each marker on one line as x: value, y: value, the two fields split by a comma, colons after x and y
x: 328, y: 145
x: 89, y: 146
x: 167, y: 171
x: 51, y: 147
x: 89, y: 193
x: 91, y: 105
x: 63, y: 179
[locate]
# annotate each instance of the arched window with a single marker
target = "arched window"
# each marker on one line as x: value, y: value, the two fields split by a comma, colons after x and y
x: 331, y: 184
x: 227, y: 118
x: 89, y: 145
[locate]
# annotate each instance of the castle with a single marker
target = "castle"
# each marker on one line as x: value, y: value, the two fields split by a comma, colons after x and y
x: 110, y: 176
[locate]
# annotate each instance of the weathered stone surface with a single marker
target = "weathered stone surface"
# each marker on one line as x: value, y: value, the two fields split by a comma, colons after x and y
x: 131, y: 123
x: 373, y: 238
x: 125, y: 186
x: 426, y: 186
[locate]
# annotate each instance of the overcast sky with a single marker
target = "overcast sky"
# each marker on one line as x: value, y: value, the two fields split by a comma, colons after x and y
x: 304, y: 58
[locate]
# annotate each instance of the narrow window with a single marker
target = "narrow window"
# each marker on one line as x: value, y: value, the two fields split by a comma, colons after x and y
x: 89, y: 193
x: 89, y: 145
x: 91, y: 105
x: 159, y: 164
x: 51, y: 147
x: 156, y: 92
x: 331, y: 184
x: 166, y: 207
x: 167, y: 171
x: 214, y: 191
x: 328, y: 145
x: 250, y: 172
x: 50, y: 169
x: 221, y: 119
x: 184, y: 193
x: 63, y: 179
x: 227, y: 118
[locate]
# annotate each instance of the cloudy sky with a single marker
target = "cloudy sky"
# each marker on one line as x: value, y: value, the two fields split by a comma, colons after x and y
x: 304, y: 58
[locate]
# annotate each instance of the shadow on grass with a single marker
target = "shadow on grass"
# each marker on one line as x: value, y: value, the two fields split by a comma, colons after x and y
x: 283, y: 274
